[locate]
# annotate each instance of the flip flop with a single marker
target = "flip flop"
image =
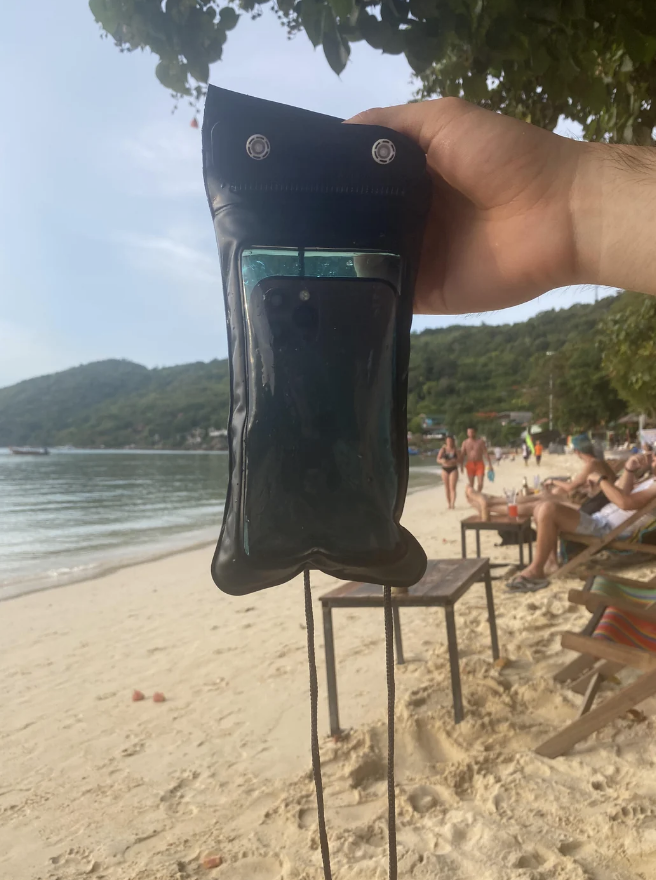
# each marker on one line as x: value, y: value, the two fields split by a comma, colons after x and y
x: 521, y: 584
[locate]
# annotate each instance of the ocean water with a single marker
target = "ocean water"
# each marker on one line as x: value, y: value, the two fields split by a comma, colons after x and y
x: 75, y: 514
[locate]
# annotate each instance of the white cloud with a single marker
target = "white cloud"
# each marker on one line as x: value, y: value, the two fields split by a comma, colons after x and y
x: 191, y: 273
x: 171, y: 256
x: 163, y: 159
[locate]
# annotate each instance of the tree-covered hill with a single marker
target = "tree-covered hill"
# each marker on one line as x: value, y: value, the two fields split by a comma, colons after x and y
x: 116, y: 403
x: 457, y: 371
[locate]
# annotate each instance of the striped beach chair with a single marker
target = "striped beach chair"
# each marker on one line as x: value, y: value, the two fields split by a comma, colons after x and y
x: 621, y: 633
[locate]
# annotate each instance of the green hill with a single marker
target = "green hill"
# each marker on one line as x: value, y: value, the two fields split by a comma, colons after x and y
x: 116, y: 403
x: 460, y: 371
x: 457, y: 371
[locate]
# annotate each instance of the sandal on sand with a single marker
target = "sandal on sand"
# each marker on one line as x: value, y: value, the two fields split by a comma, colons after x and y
x: 521, y: 584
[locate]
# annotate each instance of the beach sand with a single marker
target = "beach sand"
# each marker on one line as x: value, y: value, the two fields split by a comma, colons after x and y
x: 94, y: 784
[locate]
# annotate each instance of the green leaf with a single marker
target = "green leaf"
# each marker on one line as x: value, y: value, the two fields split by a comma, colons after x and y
x: 475, y: 87
x: 342, y: 8
x: 392, y: 41
x: 199, y: 69
x: 540, y: 61
x: 312, y: 17
x: 577, y: 9
x: 394, y: 11
x: 423, y: 9
x: 105, y: 15
x: 228, y: 18
x: 335, y: 47
x: 173, y: 75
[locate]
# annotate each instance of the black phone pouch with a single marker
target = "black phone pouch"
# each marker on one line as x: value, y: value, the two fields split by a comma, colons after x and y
x: 319, y: 226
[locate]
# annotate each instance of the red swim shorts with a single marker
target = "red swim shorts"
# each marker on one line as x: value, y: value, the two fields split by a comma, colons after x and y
x: 475, y: 468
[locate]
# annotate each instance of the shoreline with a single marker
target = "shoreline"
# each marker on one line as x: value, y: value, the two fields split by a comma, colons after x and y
x: 40, y: 584
x: 116, y: 559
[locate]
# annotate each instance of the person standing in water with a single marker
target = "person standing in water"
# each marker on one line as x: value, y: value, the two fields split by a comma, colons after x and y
x: 451, y: 460
x: 474, y: 451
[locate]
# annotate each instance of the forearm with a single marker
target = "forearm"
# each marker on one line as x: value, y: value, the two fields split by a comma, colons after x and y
x: 561, y: 485
x: 616, y: 496
x: 613, y: 210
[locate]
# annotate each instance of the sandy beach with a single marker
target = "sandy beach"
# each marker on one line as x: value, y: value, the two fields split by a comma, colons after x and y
x: 94, y: 784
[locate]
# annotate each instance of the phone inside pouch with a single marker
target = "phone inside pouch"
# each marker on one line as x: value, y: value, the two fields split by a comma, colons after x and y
x: 319, y: 460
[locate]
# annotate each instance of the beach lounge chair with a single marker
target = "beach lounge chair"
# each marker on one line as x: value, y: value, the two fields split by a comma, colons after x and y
x: 642, y: 539
x: 621, y: 633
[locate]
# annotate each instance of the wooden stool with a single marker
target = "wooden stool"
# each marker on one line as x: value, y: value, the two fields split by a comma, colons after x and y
x: 445, y: 581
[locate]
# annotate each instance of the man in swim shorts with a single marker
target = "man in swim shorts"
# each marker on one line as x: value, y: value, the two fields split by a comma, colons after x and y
x: 474, y: 451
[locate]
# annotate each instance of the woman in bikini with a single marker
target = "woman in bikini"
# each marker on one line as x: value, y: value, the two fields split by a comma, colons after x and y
x: 450, y: 459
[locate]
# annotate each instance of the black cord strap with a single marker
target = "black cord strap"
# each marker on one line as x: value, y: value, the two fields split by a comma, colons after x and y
x: 391, y: 797
x: 316, y: 757
x: 314, y: 700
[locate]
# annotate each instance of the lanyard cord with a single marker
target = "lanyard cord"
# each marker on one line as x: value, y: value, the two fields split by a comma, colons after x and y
x: 316, y: 758
x: 314, y: 700
x: 391, y: 798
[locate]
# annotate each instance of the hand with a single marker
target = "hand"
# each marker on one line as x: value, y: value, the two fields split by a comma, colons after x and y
x: 518, y: 210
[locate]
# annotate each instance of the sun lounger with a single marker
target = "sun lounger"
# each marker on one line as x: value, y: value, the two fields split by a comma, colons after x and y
x: 642, y: 539
x: 623, y: 634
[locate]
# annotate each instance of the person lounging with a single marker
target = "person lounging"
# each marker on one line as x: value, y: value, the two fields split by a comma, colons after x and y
x: 552, y: 517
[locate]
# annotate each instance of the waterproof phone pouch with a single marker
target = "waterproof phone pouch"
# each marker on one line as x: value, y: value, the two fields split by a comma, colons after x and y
x: 319, y: 226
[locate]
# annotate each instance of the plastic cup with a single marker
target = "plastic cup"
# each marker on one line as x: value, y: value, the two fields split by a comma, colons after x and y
x: 513, y: 511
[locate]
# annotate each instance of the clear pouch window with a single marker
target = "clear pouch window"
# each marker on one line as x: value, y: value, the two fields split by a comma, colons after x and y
x: 321, y: 398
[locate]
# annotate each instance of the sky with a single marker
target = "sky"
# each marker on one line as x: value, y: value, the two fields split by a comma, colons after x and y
x: 107, y: 247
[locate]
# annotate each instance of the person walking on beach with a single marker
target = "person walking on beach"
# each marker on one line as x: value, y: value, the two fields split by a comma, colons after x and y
x: 474, y: 451
x: 526, y: 452
x: 498, y: 455
x: 538, y: 453
x: 450, y: 459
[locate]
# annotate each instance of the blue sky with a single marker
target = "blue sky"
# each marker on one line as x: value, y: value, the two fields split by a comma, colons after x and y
x: 106, y: 243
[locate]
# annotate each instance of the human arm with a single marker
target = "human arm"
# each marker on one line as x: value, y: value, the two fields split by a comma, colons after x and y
x: 581, y: 478
x: 625, y: 500
x: 560, y: 484
x: 440, y: 455
x: 518, y: 210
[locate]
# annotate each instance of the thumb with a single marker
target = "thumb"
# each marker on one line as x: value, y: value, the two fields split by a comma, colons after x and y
x: 409, y: 119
